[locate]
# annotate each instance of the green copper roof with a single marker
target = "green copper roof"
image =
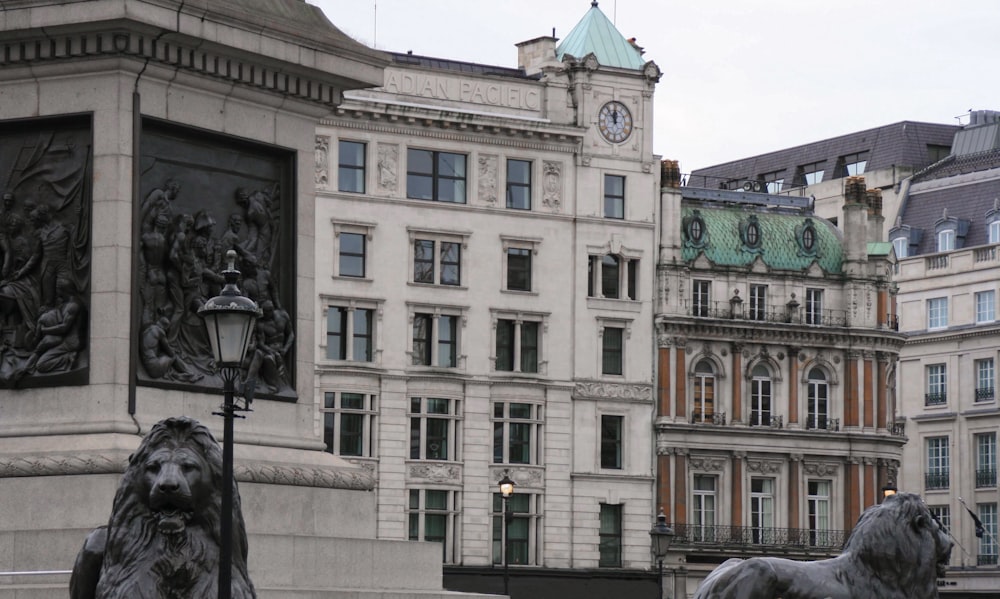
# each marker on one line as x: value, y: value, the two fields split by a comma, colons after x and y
x: 595, y: 33
x: 784, y: 241
x: 879, y: 248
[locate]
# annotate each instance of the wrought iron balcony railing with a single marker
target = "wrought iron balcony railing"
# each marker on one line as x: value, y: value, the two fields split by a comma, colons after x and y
x: 936, y: 480
x: 718, y: 418
x: 814, y: 422
x: 743, y: 536
x: 776, y: 314
x: 765, y: 419
x: 986, y: 560
x: 984, y: 394
x: 986, y: 477
x: 898, y: 428
x: 935, y: 399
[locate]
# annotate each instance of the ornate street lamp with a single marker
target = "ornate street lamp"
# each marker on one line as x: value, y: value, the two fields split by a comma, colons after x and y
x: 661, y: 536
x: 229, y: 320
x: 888, y: 491
x: 506, y: 490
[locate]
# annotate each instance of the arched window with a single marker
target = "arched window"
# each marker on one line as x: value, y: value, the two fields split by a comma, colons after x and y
x: 704, y: 392
x: 818, y: 400
x: 760, y: 396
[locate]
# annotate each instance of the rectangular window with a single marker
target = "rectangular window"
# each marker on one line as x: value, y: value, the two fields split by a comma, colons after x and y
x: 762, y: 510
x: 435, y: 340
x: 986, y: 460
x: 773, y: 181
x: 937, y: 474
x: 614, y: 196
x: 437, y: 262
x: 988, y: 542
x: 610, y: 536
x: 518, y: 269
x: 701, y: 294
x: 703, y: 509
x: 758, y: 302
x: 517, y: 345
x: 994, y: 232
x: 519, y: 184
x: 760, y: 401
x: 814, y: 306
x: 348, y: 423
x: 818, y: 408
x: 985, y: 306
x: 351, y: 169
x: 431, y: 514
x: 985, y: 375
x: 433, y: 428
x: 349, y: 333
x: 937, y: 313
x: 854, y: 164
x: 937, y: 385
x: 612, y: 431
x: 521, y: 530
x: 946, y: 240
x: 703, y: 393
x: 612, y: 276
x: 943, y: 515
x: 818, y: 507
x: 516, y: 429
x: 352, y: 255
x: 436, y: 176
x: 812, y: 173
x: 902, y: 246
x: 612, y: 350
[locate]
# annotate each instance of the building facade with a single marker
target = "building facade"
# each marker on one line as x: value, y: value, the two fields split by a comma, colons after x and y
x: 485, y: 264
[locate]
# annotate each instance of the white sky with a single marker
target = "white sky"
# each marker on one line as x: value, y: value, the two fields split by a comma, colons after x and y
x: 741, y: 77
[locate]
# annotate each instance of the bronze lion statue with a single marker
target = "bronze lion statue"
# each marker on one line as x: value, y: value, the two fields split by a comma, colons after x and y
x: 897, y: 550
x: 162, y: 540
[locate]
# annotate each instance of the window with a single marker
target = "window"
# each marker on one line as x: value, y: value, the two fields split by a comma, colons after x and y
x: 773, y: 181
x: 937, y: 473
x: 704, y: 392
x: 902, y: 246
x: 436, y: 176
x: 518, y: 269
x: 351, y: 170
x: 760, y: 396
x: 814, y: 306
x: 818, y: 507
x: 762, y: 510
x: 350, y: 332
x: 946, y: 240
x: 937, y: 152
x: 432, y: 518
x: 433, y: 428
x: 435, y: 340
x: 988, y: 542
x: 348, y: 423
x: 516, y: 429
x: 758, y: 302
x: 703, y: 508
x: 943, y: 515
x: 817, y: 400
x: 517, y: 345
x: 437, y: 262
x: 986, y: 460
x: 612, y: 276
x: 937, y: 313
x: 612, y: 430
x: 985, y: 375
x: 854, y: 164
x: 994, y: 232
x: 352, y: 255
x: 614, y: 196
x: 937, y: 385
x: 519, y: 184
x: 610, y: 536
x: 612, y: 350
x: 985, y: 306
x: 701, y: 293
x: 522, y: 531
x: 812, y: 173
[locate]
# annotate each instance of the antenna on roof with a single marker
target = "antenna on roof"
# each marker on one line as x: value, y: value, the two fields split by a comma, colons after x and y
x: 374, y: 23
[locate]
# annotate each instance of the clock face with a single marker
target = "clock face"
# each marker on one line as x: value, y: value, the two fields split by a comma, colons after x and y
x: 615, y: 122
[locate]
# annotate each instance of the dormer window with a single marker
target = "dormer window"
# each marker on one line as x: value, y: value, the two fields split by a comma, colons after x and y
x: 905, y: 239
x: 807, y: 237
x: 753, y: 234
x: 696, y: 230
x: 854, y: 164
x: 902, y: 246
x: 993, y: 222
x: 946, y: 240
x: 750, y: 233
x: 994, y: 231
x: 950, y: 232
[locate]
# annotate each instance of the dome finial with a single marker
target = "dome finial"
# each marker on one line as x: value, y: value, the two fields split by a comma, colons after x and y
x: 593, y: 3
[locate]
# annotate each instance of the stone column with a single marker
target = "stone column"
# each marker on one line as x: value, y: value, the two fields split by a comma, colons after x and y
x: 680, y: 486
x: 852, y: 497
x: 736, y: 515
x: 881, y: 395
x: 870, y: 482
x: 737, y: 405
x: 793, y: 385
x: 663, y: 457
x: 869, y: 387
x: 680, y: 380
x: 664, y: 352
x: 851, y: 390
x: 794, y: 488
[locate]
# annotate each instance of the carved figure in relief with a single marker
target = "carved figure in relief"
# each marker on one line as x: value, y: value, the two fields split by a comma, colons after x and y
x: 159, y: 359
x: 274, y: 337
x: 159, y: 201
x: 54, y: 239
x: 488, y: 179
x: 387, y: 167
x: 152, y: 270
x: 257, y: 214
x: 59, y: 332
x: 232, y: 238
x: 19, y: 290
x: 553, y: 185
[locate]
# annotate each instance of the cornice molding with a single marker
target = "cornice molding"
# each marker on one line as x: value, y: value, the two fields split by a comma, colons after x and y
x: 788, y: 335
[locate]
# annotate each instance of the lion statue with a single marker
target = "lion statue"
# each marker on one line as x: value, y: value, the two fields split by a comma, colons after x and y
x: 897, y: 550
x: 162, y: 540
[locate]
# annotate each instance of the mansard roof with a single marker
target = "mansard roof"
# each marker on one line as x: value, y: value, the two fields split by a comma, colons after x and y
x: 596, y: 35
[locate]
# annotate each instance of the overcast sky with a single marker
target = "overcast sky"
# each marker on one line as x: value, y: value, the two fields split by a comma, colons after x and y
x: 740, y: 77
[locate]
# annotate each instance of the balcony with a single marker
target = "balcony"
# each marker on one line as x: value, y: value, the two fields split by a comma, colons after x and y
x: 765, y: 419
x: 752, y: 536
x: 935, y: 399
x: 936, y: 262
x: 984, y: 394
x: 986, y: 560
x: 776, y: 314
x: 717, y: 419
x: 936, y: 480
x: 822, y: 423
x: 986, y: 477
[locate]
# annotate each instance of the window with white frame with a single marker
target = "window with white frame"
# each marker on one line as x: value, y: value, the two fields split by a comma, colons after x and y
x: 351, y: 167
x: 518, y: 257
x: 941, y: 513
x: 516, y: 432
x: 434, y: 428
x: 988, y: 542
x: 435, y: 176
x: 994, y: 231
x: 701, y: 296
x: 350, y: 331
x: 613, y: 276
x: 349, y: 423
x: 436, y: 336
x: 985, y: 306
x: 613, y: 336
x: 818, y: 513
x: 351, y: 249
x: 937, y: 313
x: 612, y: 441
x: 854, y: 164
x: 522, y: 536
x: 985, y: 375
x: 937, y: 385
x: 519, y: 184
x: 703, y: 508
x: 902, y: 246
x: 812, y: 172
x: 937, y: 475
x: 946, y: 240
x: 703, y: 394
x: 610, y: 536
x: 817, y: 400
x: 758, y: 302
x: 814, y: 306
x: 762, y: 510
x: 431, y: 517
x: 760, y: 396
x: 986, y: 460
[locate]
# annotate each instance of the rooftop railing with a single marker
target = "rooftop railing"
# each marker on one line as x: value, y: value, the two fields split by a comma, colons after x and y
x: 775, y: 314
x: 764, y: 537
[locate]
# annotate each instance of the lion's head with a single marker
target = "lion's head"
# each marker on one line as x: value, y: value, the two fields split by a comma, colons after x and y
x: 901, y: 536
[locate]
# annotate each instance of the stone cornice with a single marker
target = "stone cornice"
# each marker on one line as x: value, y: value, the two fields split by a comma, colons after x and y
x: 617, y: 391
x: 783, y: 334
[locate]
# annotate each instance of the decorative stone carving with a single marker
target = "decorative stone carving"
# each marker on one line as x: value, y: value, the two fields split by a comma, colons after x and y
x: 819, y: 468
x: 526, y: 477
x: 436, y: 472
x: 388, y: 163
x: 597, y: 390
x: 322, y: 161
x: 552, y: 184
x: 707, y: 463
x: 764, y: 466
x: 488, y: 179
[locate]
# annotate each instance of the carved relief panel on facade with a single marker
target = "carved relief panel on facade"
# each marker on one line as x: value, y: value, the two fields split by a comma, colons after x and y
x: 702, y: 463
x: 552, y: 183
x: 388, y: 167
x: 488, y: 177
x: 322, y: 161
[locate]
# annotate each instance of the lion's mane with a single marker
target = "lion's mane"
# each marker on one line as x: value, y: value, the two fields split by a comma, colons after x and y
x: 897, y: 550
x: 140, y: 559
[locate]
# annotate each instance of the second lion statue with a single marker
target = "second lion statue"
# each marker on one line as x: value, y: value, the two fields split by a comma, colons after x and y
x: 162, y: 540
x: 897, y: 550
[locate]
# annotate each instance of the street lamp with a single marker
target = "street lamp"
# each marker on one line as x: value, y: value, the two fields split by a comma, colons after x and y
x: 229, y: 320
x: 661, y: 536
x: 888, y: 491
x: 506, y: 490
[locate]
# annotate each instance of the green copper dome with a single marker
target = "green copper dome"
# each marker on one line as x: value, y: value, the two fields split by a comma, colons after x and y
x: 596, y: 34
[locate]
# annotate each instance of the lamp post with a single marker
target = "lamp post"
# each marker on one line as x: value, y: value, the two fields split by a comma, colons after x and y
x: 888, y: 491
x: 661, y: 536
x: 229, y: 319
x: 506, y: 490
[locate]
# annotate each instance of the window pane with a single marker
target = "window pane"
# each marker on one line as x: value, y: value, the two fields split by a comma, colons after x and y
x: 422, y: 339
x: 520, y: 443
x: 336, y: 333
x: 610, y: 276
x: 351, y: 434
x: 423, y: 261
x: 505, y: 345
x: 419, y: 187
x: 612, y: 351
x: 351, y: 171
x: 451, y: 165
x: 447, y: 343
x: 352, y: 255
x: 519, y: 269
x: 529, y: 347
x: 451, y: 256
x: 328, y: 425
x: 436, y: 500
x: 437, y: 439
x: 611, y: 441
x: 451, y: 190
x: 498, y: 442
x: 519, y: 184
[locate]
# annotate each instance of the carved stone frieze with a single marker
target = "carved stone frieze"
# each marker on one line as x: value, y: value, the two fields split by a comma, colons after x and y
x: 322, y: 161
x: 707, y: 463
x: 764, y: 466
x: 819, y: 468
x: 598, y: 390
x: 388, y: 166
x: 488, y: 173
x: 552, y: 184
x: 525, y: 477
x: 436, y: 472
